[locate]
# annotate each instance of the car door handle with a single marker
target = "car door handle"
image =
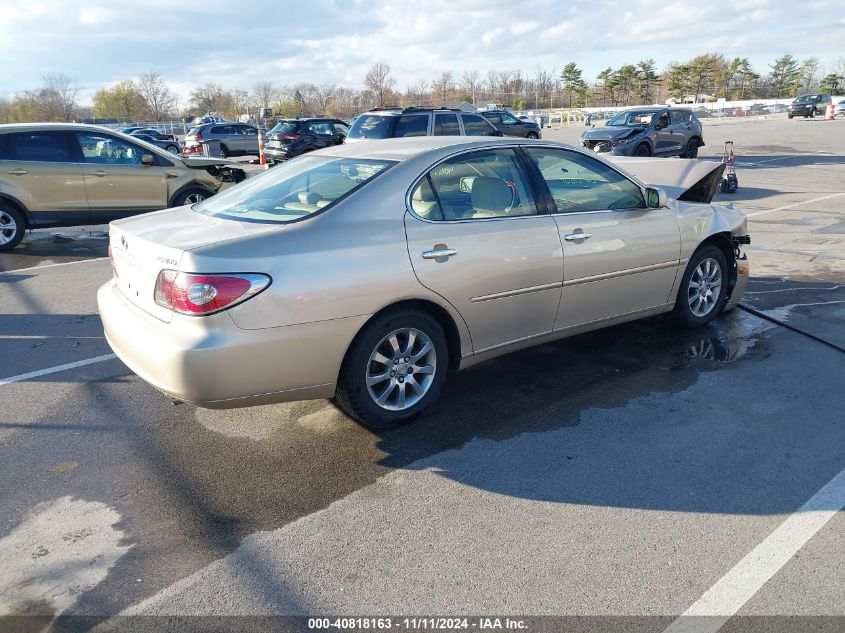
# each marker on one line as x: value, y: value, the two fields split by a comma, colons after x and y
x: 571, y: 237
x: 170, y: 174
x: 439, y: 252
x: 18, y: 172
x: 99, y: 173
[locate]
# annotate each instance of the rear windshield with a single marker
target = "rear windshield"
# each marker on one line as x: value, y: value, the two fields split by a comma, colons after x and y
x: 283, y: 127
x: 373, y: 126
x: 194, y: 131
x: 294, y: 190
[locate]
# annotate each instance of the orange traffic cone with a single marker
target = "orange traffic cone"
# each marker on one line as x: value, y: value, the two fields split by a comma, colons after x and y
x: 831, y: 112
x: 262, y: 159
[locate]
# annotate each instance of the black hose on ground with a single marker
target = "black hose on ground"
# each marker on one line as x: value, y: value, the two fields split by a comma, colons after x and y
x: 763, y: 315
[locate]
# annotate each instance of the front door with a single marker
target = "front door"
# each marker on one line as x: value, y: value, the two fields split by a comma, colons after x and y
x: 475, y: 238
x: 619, y: 257
x: 117, y: 183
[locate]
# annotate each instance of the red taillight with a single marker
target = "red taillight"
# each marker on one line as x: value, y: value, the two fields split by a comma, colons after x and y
x: 196, y: 294
x: 198, y: 135
x: 290, y: 137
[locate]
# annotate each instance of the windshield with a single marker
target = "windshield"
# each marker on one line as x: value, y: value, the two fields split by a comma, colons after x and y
x: 373, y: 126
x: 807, y: 99
x: 294, y: 190
x: 633, y: 119
x: 283, y: 127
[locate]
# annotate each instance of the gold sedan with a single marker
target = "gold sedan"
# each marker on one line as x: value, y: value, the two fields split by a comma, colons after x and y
x: 365, y: 273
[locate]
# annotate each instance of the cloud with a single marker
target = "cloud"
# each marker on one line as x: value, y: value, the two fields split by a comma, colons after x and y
x: 96, y: 16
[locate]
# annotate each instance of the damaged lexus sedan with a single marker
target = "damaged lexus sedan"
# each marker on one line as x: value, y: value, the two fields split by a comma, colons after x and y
x: 71, y: 174
x: 367, y: 272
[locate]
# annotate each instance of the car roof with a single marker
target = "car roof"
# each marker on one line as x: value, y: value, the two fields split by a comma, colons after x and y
x: 400, y: 149
x: 27, y: 127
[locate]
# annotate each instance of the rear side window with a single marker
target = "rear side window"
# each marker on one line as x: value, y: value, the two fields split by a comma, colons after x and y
x: 194, y: 131
x: 474, y: 125
x: 373, y: 126
x: 221, y: 129
x: 679, y: 118
x: 43, y: 147
x: 322, y: 128
x: 412, y: 125
x: 446, y: 125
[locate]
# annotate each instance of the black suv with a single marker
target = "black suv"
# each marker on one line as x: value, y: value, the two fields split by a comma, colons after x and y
x: 809, y: 105
x: 510, y: 125
x: 292, y: 137
x: 398, y: 122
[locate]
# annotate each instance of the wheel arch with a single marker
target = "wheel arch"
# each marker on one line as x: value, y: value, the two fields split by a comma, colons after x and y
x: 191, y: 185
x: 722, y: 241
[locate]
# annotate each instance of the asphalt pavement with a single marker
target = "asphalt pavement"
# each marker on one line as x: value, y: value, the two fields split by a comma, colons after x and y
x: 640, y: 470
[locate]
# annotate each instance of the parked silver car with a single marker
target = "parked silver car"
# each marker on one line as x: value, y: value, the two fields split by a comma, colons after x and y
x: 235, y: 138
x: 365, y: 272
x: 648, y: 131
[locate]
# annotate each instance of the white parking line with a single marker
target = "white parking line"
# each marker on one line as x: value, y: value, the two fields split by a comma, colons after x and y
x: 32, y: 268
x: 796, y: 204
x: 724, y: 599
x: 57, y: 368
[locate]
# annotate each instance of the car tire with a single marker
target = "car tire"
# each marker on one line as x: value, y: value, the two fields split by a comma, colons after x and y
x: 532, y: 135
x: 691, y: 150
x: 365, y: 379
x: 12, y: 226
x: 173, y: 149
x: 643, y: 150
x: 224, y: 153
x: 788, y: 116
x: 696, y: 304
x: 813, y: 113
x: 190, y: 196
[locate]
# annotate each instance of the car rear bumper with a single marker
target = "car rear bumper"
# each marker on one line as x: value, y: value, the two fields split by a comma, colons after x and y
x: 276, y: 153
x: 211, y: 362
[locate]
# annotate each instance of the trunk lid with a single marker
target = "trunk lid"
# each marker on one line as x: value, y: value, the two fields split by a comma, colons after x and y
x: 142, y: 246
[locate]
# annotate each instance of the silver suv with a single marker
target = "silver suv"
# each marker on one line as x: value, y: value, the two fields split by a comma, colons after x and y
x: 654, y: 131
x: 398, y: 122
x: 235, y: 138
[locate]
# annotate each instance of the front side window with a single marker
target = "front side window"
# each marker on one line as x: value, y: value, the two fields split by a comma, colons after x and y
x: 509, y: 119
x: 248, y: 131
x: 412, y: 125
x: 475, y: 125
x: 108, y: 150
x: 341, y: 128
x: 478, y: 185
x: 446, y: 125
x: 41, y: 147
x: 581, y: 183
x: 294, y: 190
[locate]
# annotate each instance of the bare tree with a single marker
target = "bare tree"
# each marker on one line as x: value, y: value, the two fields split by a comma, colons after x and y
x: 60, y: 92
x: 323, y: 96
x: 264, y: 93
x: 417, y: 94
x: 380, y: 82
x: 209, y: 98
x: 161, y: 102
x: 442, y: 86
x: 471, y: 83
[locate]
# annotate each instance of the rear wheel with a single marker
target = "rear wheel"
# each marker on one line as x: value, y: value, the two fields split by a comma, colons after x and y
x: 12, y: 226
x: 394, y: 370
x: 224, y: 153
x: 702, y: 293
x: 642, y: 150
x: 691, y: 150
x: 173, y: 149
x: 788, y: 116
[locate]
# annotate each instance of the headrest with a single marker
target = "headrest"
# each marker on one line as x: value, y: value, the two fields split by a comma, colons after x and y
x: 490, y: 194
x: 309, y: 197
x: 423, y: 193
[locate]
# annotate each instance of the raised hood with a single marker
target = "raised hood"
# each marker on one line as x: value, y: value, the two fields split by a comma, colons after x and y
x: 610, y: 133
x: 142, y: 246
x: 688, y: 180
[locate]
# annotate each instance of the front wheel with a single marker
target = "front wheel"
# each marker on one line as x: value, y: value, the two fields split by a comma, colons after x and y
x: 642, y: 150
x: 190, y: 197
x: 224, y: 153
x: 394, y: 370
x: 703, y: 287
x: 12, y: 227
x: 788, y: 116
x: 173, y: 149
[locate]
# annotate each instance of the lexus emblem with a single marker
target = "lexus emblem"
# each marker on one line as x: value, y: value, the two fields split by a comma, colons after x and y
x: 124, y: 243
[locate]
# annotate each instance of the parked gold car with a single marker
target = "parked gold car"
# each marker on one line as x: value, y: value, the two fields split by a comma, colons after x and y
x: 365, y: 272
x: 70, y: 174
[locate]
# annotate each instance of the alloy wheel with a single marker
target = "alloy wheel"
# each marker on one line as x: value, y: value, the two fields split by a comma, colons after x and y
x: 401, y: 369
x: 193, y: 198
x: 705, y: 287
x: 8, y: 228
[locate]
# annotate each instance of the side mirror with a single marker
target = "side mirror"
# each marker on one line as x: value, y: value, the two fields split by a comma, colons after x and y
x: 661, y: 123
x: 497, y: 133
x: 655, y: 198
x: 148, y: 160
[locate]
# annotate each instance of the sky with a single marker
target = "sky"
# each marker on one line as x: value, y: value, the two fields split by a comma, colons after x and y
x: 236, y: 44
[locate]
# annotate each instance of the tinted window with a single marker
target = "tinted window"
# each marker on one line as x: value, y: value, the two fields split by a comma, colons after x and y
x: 108, y: 150
x: 446, y: 125
x: 293, y: 190
x: 4, y: 146
x: 412, y: 125
x: 678, y: 117
x: 581, y: 183
x: 373, y: 126
x: 475, y: 125
x: 341, y: 128
x: 508, y: 119
x: 45, y: 147
x: 486, y: 184
x: 247, y: 130
x: 221, y: 129
x: 493, y: 117
x: 284, y: 126
x: 323, y: 128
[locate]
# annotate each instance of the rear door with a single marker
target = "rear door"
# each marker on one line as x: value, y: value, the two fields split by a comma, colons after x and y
x: 117, y: 183
x: 476, y: 238
x: 341, y: 131
x: 39, y: 169
x: 618, y: 256
x: 248, y: 138
x: 681, y: 126
x: 446, y: 124
x: 321, y: 133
